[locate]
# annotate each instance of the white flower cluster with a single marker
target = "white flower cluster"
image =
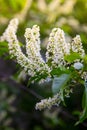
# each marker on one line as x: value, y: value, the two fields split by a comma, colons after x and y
x: 14, y: 47
x: 57, y: 48
x: 78, y: 65
x: 76, y: 46
x: 33, y: 49
x: 48, y: 103
x: 54, y: 101
x: 12, y: 28
x: 34, y: 62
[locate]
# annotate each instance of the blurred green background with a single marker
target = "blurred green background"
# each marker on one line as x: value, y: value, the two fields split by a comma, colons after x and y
x: 17, y: 102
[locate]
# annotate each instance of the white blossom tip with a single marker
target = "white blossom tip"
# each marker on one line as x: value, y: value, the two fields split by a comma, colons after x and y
x: 14, y: 21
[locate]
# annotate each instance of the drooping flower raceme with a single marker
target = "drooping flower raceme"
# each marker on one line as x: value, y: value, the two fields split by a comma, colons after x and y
x: 48, y: 103
x: 33, y: 63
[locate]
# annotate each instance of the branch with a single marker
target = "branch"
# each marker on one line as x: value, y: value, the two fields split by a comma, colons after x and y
x: 13, y: 83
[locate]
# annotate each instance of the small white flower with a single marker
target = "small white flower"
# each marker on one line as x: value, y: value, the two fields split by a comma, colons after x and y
x: 78, y: 65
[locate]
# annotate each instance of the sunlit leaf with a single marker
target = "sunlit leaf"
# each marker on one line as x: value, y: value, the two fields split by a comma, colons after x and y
x: 72, y: 57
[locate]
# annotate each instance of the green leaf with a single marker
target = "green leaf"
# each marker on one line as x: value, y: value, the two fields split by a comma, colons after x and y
x: 83, y: 115
x: 72, y: 57
x: 85, y: 61
x: 56, y: 71
x: 59, y: 84
x: 3, y: 48
x: 59, y: 71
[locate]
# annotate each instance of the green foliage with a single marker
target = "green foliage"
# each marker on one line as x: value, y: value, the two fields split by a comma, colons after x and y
x: 10, y: 6
x: 59, y: 84
x: 3, y: 48
x: 83, y: 114
x: 72, y: 57
x: 80, y: 10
